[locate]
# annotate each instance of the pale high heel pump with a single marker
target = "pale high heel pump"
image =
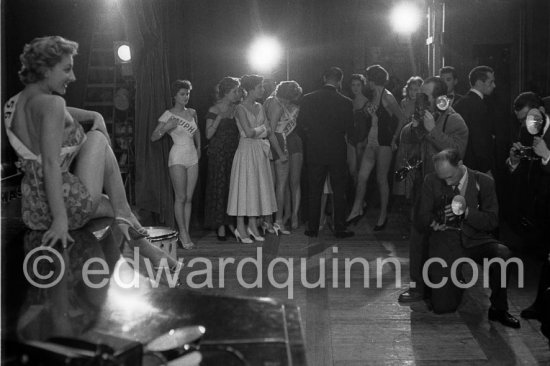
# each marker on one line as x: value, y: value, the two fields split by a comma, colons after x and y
x: 280, y: 229
x: 257, y: 238
x: 240, y: 239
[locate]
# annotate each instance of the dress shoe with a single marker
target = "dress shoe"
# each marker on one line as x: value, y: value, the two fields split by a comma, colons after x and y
x: 344, y: 234
x: 311, y: 233
x: 380, y: 227
x: 410, y: 296
x: 530, y: 313
x: 503, y: 317
x: 353, y: 220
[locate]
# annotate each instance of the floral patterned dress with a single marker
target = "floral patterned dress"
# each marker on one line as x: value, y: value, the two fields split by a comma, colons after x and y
x: 221, y: 151
x: 34, y: 206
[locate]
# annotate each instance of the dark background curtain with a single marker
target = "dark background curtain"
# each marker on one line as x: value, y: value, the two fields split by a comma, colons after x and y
x: 146, y: 30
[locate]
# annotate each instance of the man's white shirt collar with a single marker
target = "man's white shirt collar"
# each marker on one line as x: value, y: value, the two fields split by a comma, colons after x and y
x: 477, y: 92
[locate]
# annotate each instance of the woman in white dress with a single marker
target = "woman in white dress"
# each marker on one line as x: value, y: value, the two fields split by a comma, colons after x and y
x: 251, y: 190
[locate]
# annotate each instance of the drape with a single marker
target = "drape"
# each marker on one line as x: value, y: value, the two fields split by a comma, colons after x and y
x: 153, y: 189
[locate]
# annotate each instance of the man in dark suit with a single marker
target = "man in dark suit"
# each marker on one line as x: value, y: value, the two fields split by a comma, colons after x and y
x: 475, y: 112
x: 450, y: 77
x: 454, y: 235
x: 533, y: 184
x: 326, y: 117
x: 438, y: 130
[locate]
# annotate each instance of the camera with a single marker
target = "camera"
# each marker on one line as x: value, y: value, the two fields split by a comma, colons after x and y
x: 409, y: 166
x: 526, y: 153
x: 421, y: 104
x: 458, y: 209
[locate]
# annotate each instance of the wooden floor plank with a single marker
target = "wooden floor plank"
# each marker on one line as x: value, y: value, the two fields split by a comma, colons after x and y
x: 364, y: 324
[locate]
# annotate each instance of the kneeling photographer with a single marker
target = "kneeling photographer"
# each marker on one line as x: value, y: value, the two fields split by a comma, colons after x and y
x: 458, y: 211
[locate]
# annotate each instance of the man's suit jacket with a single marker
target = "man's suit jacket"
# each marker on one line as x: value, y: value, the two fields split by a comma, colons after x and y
x: 325, y: 117
x: 481, y: 201
x: 450, y: 131
x: 456, y: 99
x: 480, y: 150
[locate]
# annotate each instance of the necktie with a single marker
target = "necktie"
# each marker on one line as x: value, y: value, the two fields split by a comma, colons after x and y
x: 456, y: 191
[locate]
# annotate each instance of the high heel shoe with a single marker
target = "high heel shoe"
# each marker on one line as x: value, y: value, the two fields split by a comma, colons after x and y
x: 355, y: 219
x: 380, y: 227
x: 266, y: 226
x: 140, y: 230
x: 240, y: 239
x: 187, y: 246
x: 130, y: 233
x: 221, y: 237
x: 278, y: 228
x: 257, y: 238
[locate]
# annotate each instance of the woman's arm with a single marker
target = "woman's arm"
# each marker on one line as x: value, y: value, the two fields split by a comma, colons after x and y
x: 162, y: 128
x: 82, y: 114
x: 50, y: 112
x: 85, y: 115
x: 244, y: 123
x: 212, y: 123
x: 274, y: 113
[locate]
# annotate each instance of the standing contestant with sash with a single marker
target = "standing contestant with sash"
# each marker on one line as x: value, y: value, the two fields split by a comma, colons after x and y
x: 181, y: 123
x: 285, y: 144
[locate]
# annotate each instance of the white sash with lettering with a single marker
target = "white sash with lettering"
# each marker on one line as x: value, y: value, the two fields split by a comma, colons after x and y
x: 287, y: 124
x: 188, y: 126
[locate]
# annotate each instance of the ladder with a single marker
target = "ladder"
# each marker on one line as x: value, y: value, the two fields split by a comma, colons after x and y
x: 104, y: 80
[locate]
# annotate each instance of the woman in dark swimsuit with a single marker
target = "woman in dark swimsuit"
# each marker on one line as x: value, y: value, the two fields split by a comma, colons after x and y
x: 382, y: 137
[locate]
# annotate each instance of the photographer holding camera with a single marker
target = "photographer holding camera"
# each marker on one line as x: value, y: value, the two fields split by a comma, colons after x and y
x: 529, y: 164
x: 435, y: 126
x: 470, y: 238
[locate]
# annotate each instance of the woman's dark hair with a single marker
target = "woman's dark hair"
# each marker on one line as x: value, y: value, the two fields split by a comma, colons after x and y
x: 377, y: 74
x: 41, y: 54
x: 527, y: 99
x: 180, y: 84
x: 225, y: 85
x: 413, y: 80
x: 289, y: 90
x: 360, y: 78
x: 249, y: 82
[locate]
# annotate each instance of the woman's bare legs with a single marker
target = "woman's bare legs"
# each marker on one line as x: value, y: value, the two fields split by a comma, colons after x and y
x: 253, y: 226
x: 241, y: 228
x: 367, y: 164
x: 178, y: 175
x: 352, y: 161
x: 192, y: 176
x: 281, y: 180
x: 296, y: 161
x: 97, y: 168
x: 383, y: 161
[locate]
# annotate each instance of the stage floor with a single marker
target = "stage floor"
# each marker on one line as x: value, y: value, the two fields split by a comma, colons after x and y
x: 365, y: 325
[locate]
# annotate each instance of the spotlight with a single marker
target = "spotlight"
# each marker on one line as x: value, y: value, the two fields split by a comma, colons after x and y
x: 405, y: 18
x: 123, y: 52
x: 264, y: 54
